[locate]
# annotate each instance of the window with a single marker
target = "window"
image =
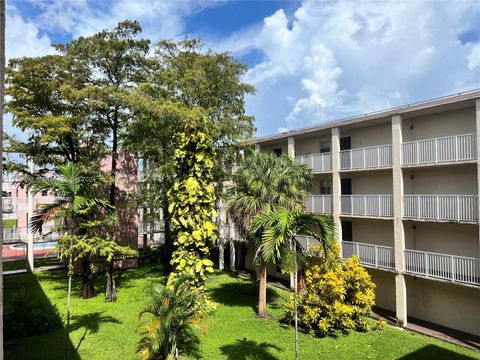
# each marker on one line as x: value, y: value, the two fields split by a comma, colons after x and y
x: 347, y: 232
x: 44, y: 192
x: 325, y: 187
x: 325, y: 146
x: 277, y: 152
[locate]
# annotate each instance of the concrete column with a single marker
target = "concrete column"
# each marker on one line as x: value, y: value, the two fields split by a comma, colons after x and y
x: 30, y: 211
x: 336, y: 185
x: 232, y: 255
x: 291, y: 147
x: 399, y: 234
x: 221, y: 255
x: 257, y: 148
x: 478, y: 163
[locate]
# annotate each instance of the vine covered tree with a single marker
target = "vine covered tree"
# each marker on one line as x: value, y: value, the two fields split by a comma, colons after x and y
x: 192, y: 202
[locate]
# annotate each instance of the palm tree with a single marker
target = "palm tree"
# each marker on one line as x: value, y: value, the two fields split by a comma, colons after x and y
x: 263, y: 183
x: 172, y: 327
x: 75, y: 199
x: 280, y: 229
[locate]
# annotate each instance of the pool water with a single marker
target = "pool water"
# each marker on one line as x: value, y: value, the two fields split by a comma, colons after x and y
x: 38, y: 246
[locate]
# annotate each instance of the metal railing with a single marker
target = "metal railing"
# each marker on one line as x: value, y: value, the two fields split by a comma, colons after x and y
x: 20, y: 234
x: 317, y: 162
x: 14, y: 204
x: 370, y: 255
x: 461, y: 208
x: 371, y: 157
x: 306, y: 241
x: 145, y: 227
x: 320, y: 204
x: 440, y: 150
x: 367, y: 205
x: 442, y: 266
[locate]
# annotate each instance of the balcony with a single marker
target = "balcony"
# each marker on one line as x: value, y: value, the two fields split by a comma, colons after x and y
x: 145, y: 227
x: 14, y: 204
x: 375, y: 256
x: 320, y: 204
x: 458, y: 269
x: 20, y: 234
x: 227, y: 233
x: 367, y: 205
x: 373, y: 157
x: 317, y: 162
x: 453, y: 208
x: 440, y: 150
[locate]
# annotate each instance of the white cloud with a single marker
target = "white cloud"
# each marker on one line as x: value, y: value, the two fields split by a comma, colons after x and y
x: 341, y: 58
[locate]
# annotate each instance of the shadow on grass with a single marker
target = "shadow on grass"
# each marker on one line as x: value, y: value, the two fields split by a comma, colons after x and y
x: 241, y: 294
x: 91, y: 323
x: 44, y: 343
x: 434, y: 352
x: 249, y: 350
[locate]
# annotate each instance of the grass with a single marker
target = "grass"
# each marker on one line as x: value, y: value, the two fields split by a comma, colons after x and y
x: 109, y: 330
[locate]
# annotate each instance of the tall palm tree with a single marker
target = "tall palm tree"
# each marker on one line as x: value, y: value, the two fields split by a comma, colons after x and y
x: 173, y: 323
x: 75, y: 200
x: 263, y: 183
x: 280, y: 229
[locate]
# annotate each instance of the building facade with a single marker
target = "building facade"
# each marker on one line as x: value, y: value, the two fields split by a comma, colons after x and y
x: 402, y: 186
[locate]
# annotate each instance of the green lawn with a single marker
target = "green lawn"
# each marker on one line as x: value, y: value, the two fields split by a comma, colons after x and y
x: 109, y: 331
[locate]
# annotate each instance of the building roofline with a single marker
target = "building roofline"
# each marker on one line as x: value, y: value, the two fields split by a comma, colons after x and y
x: 421, y: 105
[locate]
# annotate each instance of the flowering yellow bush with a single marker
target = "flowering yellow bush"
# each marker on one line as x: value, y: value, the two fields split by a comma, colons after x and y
x: 334, y: 299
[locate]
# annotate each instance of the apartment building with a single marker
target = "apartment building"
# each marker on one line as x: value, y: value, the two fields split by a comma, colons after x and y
x: 402, y: 186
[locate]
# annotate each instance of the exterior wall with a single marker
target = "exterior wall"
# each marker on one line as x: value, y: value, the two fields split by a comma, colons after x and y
x: 310, y: 145
x: 453, y: 239
x: 371, y: 135
x: 384, y: 288
x: 444, y: 304
x: 269, y: 148
x: 458, y: 180
x: 369, y: 231
x: 447, y: 123
x: 315, y: 189
x: 373, y: 182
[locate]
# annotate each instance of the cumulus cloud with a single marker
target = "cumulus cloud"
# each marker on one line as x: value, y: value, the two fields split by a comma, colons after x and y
x: 336, y: 59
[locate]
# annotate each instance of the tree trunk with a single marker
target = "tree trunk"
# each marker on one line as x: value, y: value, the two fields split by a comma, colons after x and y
x: 113, y: 171
x: 301, y: 282
x: 69, y: 292
x: 168, y: 236
x: 88, y: 289
x: 111, y: 292
x: 262, y: 290
x: 2, y: 90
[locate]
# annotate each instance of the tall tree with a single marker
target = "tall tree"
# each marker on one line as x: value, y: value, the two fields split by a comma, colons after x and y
x: 45, y: 104
x: 263, y: 183
x: 279, y: 230
x: 116, y: 62
x: 2, y: 90
x: 187, y: 76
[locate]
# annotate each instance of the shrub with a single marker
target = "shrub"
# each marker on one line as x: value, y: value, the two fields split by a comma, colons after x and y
x: 151, y: 255
x: 334, y: 299
x: 27, y: 315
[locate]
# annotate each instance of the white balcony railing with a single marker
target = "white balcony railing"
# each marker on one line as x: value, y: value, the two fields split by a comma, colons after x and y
x: 14, y: 204
x: 146, y: 227
x: 320, y: 204
x: 367, y: 205
x: 317, y: 162
x: 372, y: 157
x: 306, y: 241
x: 370, y: 255
x: 440, y: 150
x: 461, y: 208
x: 20, y: 234
x: 228, y: 232
x: 442, y: 266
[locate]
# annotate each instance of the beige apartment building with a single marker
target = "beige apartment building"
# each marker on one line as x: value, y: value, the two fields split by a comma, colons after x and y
x: 402, y: 186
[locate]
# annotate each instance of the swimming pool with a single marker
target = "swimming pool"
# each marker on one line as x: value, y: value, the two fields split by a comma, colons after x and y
x: 37, y: 246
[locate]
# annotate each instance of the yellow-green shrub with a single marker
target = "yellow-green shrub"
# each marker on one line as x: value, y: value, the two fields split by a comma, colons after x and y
x: 334, y: 299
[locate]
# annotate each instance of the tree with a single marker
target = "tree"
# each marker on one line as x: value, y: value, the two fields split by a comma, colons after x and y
x: 186, y: 76
x: 191, y: 203
x: 279, y: 230
x: 173, y: 325
x: 2, y: 90
x: 264, y: 183
x: 45, y: 103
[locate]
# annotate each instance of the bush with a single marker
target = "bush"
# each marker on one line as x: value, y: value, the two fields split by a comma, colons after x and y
x: 150, y: 255
x: 334, y: 299
x: 27, y: 315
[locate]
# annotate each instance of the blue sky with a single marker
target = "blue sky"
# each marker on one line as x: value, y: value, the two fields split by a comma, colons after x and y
x: 310, y: 61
